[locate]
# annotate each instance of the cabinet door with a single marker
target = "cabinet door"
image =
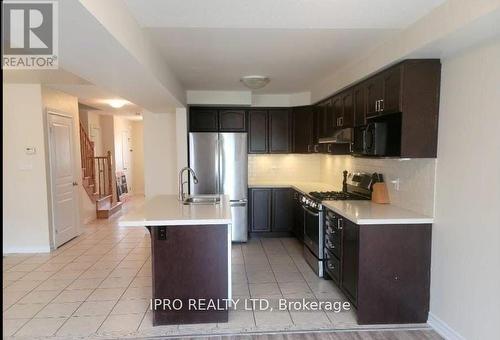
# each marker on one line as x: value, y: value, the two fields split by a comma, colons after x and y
x: 392, y: 90
x: 302, y: 136
x: 337, y: 112
x: 232, y: 121
x: 347, y: 109
x: 359, y: 107
x: 373, y: 89
x: 257, y: 131
x: 203, y: 120
x: 321, y: 120
x: 260, y: 210
x: 350, y: 258
x: 282, y: 209
x: 279, y: 131
x: 298, y: 217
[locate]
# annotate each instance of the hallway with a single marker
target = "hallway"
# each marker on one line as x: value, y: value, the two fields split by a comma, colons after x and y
x: 99, y: 284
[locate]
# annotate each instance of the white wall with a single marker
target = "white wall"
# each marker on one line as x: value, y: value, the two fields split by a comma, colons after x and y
x: 160, y: 154
x: 25, y: 206
x: 465, y: 278
x: 247, y: 98
x: 123, y: 156
x: 138, y: 156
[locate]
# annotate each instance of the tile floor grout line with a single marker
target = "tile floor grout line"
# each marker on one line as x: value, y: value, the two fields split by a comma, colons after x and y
x: 248, y: 282
x: 96, y: 287
x: 121, y: 297
x: 276, y: 279
x: 49, y: 302
x: 93, y: 290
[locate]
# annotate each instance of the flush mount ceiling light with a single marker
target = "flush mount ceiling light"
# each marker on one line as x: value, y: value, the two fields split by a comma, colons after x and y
x: 255, y: 82
x: 117, y: 103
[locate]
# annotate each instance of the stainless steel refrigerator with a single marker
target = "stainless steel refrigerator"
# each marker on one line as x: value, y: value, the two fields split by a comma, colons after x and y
x: 220, y: 161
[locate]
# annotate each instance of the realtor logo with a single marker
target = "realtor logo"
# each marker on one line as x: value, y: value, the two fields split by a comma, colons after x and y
x: 29, y: 35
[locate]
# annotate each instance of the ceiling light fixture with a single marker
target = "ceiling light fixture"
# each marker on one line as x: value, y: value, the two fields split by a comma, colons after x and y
x: 117, y: 103
x: 255, y: 82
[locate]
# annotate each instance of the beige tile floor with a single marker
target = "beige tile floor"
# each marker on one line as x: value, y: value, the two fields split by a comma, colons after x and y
x: 99, y: 285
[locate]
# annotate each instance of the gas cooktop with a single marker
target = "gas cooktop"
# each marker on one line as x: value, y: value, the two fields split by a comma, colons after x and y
x: 335, y: 196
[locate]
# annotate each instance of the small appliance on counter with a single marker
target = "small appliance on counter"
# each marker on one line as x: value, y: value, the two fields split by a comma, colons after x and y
x: 380, y: 194
x: 357, y: 187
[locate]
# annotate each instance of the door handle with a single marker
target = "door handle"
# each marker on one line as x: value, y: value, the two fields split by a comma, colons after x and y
x: 310, y: 212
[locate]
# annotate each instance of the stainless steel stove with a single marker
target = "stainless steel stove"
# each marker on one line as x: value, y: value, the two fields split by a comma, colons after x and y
x: 356, y: 186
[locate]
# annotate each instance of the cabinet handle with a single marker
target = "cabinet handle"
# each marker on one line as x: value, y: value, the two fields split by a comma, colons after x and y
x: 376, y: 106
x: 340, y: 121
x: 330, y: 266
x: 329, y: 148
x: 309, y: 148
x: 339, y: 224
x: 316, y: 148
x: 381, y: 105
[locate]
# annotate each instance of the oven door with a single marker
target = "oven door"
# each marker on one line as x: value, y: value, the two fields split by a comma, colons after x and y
x: 313, y: 231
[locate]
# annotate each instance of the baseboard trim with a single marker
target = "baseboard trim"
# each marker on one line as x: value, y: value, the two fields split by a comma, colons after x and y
x: 25, y: 250
x: 443, y: 329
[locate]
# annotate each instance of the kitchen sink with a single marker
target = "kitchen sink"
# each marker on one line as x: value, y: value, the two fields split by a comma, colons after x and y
x: 202, y: 199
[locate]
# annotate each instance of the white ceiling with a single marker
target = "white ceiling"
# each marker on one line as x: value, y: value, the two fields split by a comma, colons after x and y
x: 209, y: 45
x: 332, y: 14
x: 215, y: 59
x: 64, y: 81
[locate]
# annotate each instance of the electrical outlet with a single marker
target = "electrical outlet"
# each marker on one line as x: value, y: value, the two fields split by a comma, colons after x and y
x: 396, y: 183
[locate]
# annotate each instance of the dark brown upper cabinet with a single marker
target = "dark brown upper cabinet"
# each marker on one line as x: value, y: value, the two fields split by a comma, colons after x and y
x: 359, y: 105
x: 343, y: 110
x: 203, y: 120
x: 373, y: 89
x: 258, y: 132
x: 279, y: 131
x: 303, y: 129
x: 269, y: 131
x: 392, y: 86
x: 232, y: 120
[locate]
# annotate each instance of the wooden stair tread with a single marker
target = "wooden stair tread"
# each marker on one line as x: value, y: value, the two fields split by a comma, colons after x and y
x: 102, y: 198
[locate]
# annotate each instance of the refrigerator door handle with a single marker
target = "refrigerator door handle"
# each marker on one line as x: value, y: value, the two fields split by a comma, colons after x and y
x: 218, y: 166
x: 238, y: 204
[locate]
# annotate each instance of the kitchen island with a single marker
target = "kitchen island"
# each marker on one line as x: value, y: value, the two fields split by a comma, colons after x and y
x: 191, y: 258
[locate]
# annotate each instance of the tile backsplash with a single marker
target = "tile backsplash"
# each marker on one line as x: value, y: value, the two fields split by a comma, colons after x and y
x: 416, y: 176
x: 290, y: 167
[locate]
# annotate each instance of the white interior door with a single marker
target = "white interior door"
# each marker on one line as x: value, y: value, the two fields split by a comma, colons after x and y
x: 64, y: 189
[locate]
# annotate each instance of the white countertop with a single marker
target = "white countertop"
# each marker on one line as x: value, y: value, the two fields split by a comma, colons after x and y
x: 367, y: 212
x: 359, y: 212
x: 164, y: 210
x: 304, y: 187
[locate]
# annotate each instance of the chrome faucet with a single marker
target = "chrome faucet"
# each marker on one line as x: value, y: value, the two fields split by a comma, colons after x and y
x: 181, y: 183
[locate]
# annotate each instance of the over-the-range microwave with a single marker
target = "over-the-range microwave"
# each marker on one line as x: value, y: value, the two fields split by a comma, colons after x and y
x: 380, y: 137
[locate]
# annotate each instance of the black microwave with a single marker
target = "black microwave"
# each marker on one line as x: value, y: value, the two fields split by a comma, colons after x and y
x: 380, y: 138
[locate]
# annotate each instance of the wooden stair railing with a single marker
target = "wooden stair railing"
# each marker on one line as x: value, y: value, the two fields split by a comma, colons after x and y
x: 97, y: 172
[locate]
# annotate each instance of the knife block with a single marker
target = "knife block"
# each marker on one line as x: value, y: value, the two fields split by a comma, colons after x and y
x: 380, y: 194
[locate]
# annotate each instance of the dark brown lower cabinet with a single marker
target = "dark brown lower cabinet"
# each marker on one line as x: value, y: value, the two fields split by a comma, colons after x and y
x: 259, y: 210
x: 298, y: 217
x: 384, y: 270
x: 182, y: 257
x: 271, y: 211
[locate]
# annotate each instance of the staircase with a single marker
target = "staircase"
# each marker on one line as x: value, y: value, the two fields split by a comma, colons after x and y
x: 98, y: 179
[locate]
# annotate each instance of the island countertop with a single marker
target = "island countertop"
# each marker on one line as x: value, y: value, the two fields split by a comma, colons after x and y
x: 165, y: 210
